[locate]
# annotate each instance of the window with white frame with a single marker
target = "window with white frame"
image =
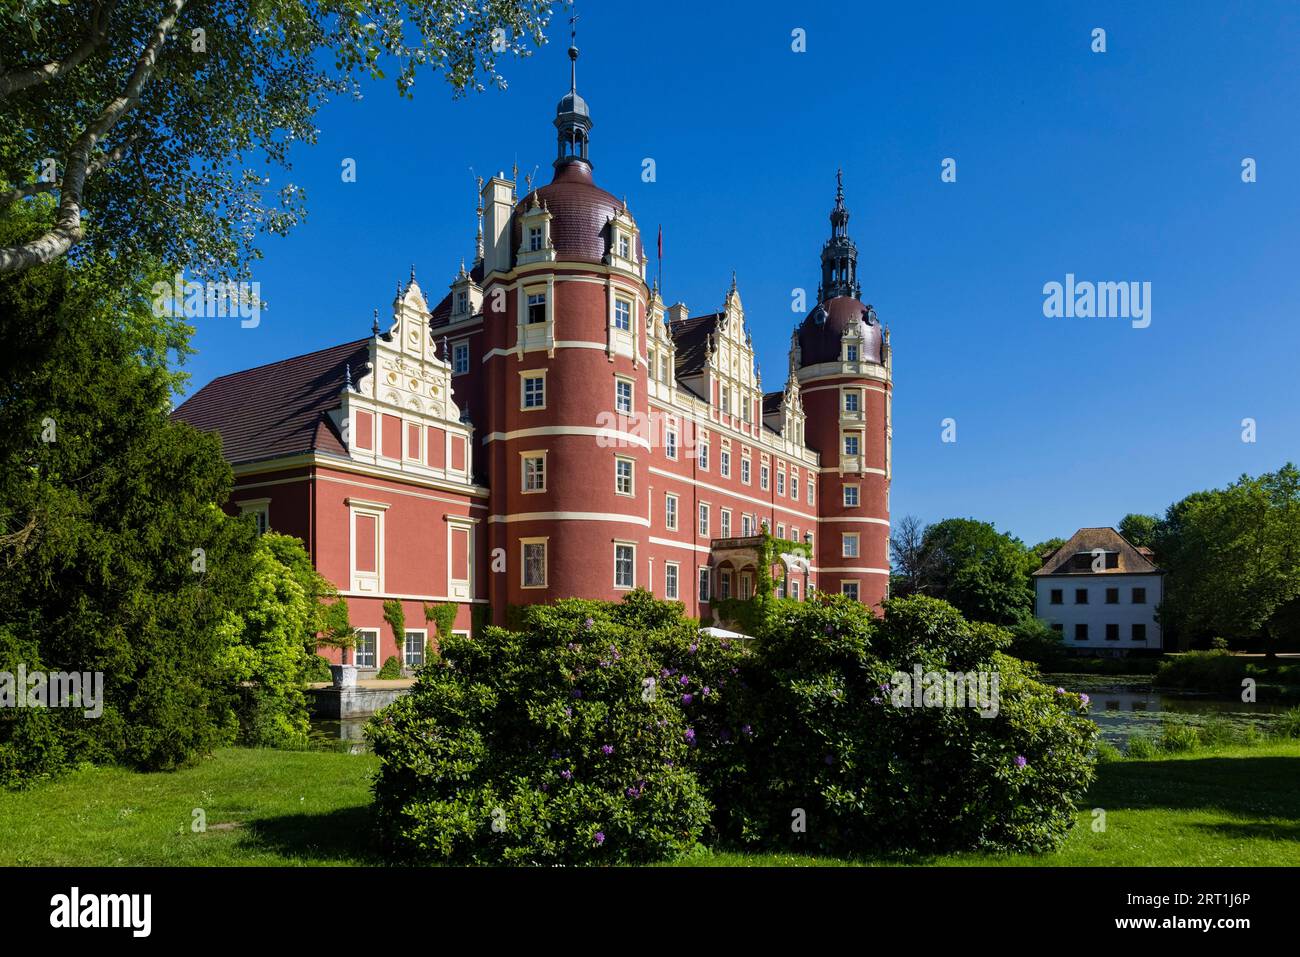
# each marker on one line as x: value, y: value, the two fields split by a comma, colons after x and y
x: 852, y: 400
x: 367, y: 546
x: 794, y: 589
x: 670, y: 512
x: 414, y: 651
x: 366, y: 650
x: 794, y: 533
x: 536, y: 308
x: 624, y: 246
x: 462, y: 301
x: 764, y: 476
x: 534, y: 391
x: 726, y: 523
x: 849, y: 590
x: 746, y: 525
x: 811, y: 484
x: 724, y: 392
x: 849, y: 542
x: 794, y: 487
x: 460, y: 358
x: 851, y: 353
x: 663, y: 368
x: 623, y: 476
x: 624, y: 565
x: 260, y: 509
x: 532, y: 557
x: 850, y: 496
x: 724, y: 464
x: 623, y: 396
x: 670, y: 444
x: 534, y: 471
x: 851, y: 446
x: 702, y: 454
x: 670, y: 580
x: 704, y: 520
x: 780, y: 483
x: 622, y: 315
x: 534, y: 239
x: 780, y: 530
x: 703, y: 579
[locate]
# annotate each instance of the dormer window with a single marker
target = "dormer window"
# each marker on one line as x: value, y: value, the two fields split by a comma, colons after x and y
x: 851, y: 353
x: 624, y: 247
x: 535, y: 239
x: 536, y: 308
x: 462, y: 301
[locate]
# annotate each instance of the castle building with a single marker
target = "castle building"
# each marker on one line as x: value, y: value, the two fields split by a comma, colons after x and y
x: 549, y: 428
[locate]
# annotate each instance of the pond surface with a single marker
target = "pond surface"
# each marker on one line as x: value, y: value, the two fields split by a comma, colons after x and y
x: 1123, y: 705
x: 333, y: 734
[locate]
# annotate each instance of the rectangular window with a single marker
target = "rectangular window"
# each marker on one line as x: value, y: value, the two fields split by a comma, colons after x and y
x: 624, y: 566
x: 851, y: 353
x: 624, y: 247
x: 623, y: 396
x: 623, y: 476
x: 746, y: 526
x: 704, y: 521
x: 670, y: 444
x: 1139, y: 596
x: 724, y: 464
x: 780, y: 531
x: 850, y: 496
x: 704, y: 584
x: 850, y: 445
x: 744, y: 471
x: 414, y: 649
x: 670, y: 580
x: 534, y: 387
x: 724, y: 393
x: 780, y: 483
x: 810, y: 491
x: 670, y: 512
x: 663, y: 368
x: 534, y: 473
x: 794, y: 487
x: 1112, y: 596
x: 1081, y: 632
x: 365, y: 650
x: 850, y: 543
x: 849, y: 589
x: 622, y: 314
x: 1058, y: 596
x: 460, y: 358
x: 1112, y: 632
x: 724, y: 585
x: 1081, y: 596
x: 1139, y: 632
x: 462, y: 301
x: 536, y: 308
x: 794, y: 533
x: 764, y: 476
x: 726, y: 523
x: 703, y: 454
x: 851, y: 400
x: 1058, y: 628
x: 534, y: 239
x: 534, y: 561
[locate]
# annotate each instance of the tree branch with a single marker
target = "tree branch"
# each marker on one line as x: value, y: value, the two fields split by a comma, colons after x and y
x: 50, y: 186
x: 46, y: 72
x: 67, y: 229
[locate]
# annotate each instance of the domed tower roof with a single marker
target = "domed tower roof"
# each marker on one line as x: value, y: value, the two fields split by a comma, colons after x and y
x: 839, y: 306
x: 580, y: 212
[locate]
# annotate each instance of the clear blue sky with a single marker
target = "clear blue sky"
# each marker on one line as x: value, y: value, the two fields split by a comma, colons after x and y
x: 1117, y: 166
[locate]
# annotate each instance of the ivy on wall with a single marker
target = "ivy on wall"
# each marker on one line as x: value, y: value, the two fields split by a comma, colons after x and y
x: 750, y: 613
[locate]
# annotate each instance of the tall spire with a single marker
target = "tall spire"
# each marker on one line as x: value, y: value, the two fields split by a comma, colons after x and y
x: 572, y: 118
x: 839, y: 253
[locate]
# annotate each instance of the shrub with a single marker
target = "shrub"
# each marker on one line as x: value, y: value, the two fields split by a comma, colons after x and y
x: 392, y: 669
x: 1142, y: 747
x: 1287, y: 725
x: 318, y: 669
x: 832, y: 739
x: 1107, y: 752
x: 1176, y: 737
x: 1202, y: 671
x: 581, y: 737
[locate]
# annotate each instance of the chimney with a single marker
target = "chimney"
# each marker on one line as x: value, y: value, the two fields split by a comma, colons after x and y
x: 498, y: 203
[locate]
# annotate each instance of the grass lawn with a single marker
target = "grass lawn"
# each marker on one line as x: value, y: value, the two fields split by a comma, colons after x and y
x: 1221, y: 807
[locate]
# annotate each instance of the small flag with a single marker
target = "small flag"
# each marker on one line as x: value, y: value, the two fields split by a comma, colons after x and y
x: 661, y: 240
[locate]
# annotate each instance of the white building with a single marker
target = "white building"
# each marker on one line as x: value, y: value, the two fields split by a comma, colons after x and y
x: 1101, y: 593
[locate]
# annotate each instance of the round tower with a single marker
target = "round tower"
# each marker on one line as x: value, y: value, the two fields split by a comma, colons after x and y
x: 841, y: 357
x: 564, y: 353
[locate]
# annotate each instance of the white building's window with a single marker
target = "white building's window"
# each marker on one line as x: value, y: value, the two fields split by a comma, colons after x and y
x: 724, y: 393
x: 744, y: 471
x: 851, y: 401
x: 704, y: 521
x: 780, y: 483
x: 726, y: 523
x: 670, y: 444
x: 534, y: 239
x: 623, y: 476
x: 533, y: 557
x: 624, y: 565
x: 624, y: 247
x: 851, y: 353
x: 623, y: 396
x: 850, y: 544
x: 703, y: 455
x: 534, y: 392
x: 534, y: 472
x: 663, y: 368
x: 536, y: 308
x: 724, y: 464
x: 460, y: 358
x: 764, y: 477
x: 462, y: 301
x: 794, y: 487
x: 670, y: 580
x: 851, y: 445
x: 670, y: 512
x: 850, y: 496
x: 622, y: 314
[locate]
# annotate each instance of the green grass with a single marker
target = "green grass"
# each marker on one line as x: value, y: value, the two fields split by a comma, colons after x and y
x: 262, y: 807
x: 1219, y: 806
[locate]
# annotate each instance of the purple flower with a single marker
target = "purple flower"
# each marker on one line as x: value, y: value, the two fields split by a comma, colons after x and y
x: 687, y: 699
x: 875, y: 701
x: 568, y: 712
x: 1083, y: 700
x: 1060, y: 691
x: 577, y: 693
x: 746, y: 730
x: 885, y: 686
x: 566, y: 774
x: 683, y: 680
x: 589, y: 624
x: 545, y: 786
x: 1021, y: 761
x: 707, y: 692
x: 690, y: 735
x: 606, y: 749
x: 692, y: 648
x: 633, y: 793
x: 830, y: 629
x: 600, y: 838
